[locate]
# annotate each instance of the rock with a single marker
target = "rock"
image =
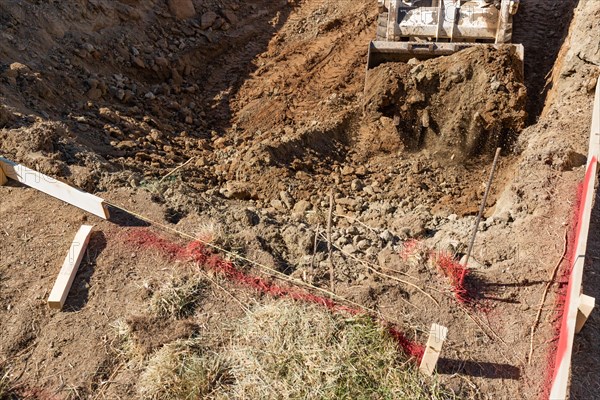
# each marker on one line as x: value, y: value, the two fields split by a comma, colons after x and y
x: 363, y: 244
x: 94, y: 93
x: 361, y: 170
x: 287, y: 199
x: 230, y: 17
x: 342, y: 241
x: 182, y: 9
x: 452, y: 217
x: 237, y: 191
x: 302, y: 206
x: 161, y: 62
x: 356, y: 185
x: 386, y: 236
x: 208, y: 19
x: 137, y: 61
x: 350, y: 249
x: 347, y: 170
x: 19, y: 68
x: 277, y: 205
x: 126, y: 145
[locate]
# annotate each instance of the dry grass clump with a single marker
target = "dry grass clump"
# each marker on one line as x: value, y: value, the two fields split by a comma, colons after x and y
x: 6, y: 384
x: 212, y: 232
x: 178, y: 298
x: 125, y: 345
x: 288, y: 351
x: 183, y: 370
x: 285, y: 350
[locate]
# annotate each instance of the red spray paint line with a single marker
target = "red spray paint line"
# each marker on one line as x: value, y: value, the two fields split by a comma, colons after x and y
x: 456, y: 272
x: 557, y: 353
x: 197, y: 252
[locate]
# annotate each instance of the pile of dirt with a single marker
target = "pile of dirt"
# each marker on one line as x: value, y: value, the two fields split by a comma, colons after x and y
x: 460, y: 106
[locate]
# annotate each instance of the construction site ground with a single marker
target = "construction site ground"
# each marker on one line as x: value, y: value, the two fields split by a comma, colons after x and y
x: 234, y: 126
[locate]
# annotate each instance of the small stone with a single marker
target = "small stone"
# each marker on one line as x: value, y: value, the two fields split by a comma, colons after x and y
x: 208, y: 19
x: 138, y: 62
x: 287, y: 199
x: 230, y: 17
x: 347, y: 170
x: 161, y: 62
x: 386, y: 236
x: 363, y: 244
x: 350, y: 249
x: 126, y: 145
x: 452, y: 217
x: 120, y: 94
x: 302, y: 206
x: 356, y: 185
x: 182, y: 9
x: 277, y: 205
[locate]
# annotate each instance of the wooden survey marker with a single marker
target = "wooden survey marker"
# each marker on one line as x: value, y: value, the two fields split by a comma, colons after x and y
x: 55, y: 188
x: 437, y: 336
x: 67, y: 273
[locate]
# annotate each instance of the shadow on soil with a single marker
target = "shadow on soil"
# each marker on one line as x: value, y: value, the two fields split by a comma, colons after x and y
x: 478, y: 369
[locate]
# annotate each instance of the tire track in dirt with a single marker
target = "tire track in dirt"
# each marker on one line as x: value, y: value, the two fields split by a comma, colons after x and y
x: 541, y: 26
x: 306, y: 72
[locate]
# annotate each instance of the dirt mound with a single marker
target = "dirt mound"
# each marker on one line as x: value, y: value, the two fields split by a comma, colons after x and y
x: 460, y: 106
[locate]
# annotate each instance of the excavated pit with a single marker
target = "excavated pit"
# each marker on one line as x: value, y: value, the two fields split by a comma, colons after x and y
x: 266, y: 103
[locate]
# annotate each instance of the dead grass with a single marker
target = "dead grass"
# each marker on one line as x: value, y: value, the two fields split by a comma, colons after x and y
x: 125, y: 345
x: 6, y: 385
x: 178, y: 298
x: 290, y: 351
x: 182, y: 370
x: 284, y: 350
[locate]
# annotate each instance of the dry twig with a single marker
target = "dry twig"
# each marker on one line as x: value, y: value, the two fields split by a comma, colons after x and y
x: 544, y: 295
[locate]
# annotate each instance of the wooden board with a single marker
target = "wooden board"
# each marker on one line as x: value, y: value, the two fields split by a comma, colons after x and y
x: 437, y: 336
x: 586, y: 305
x: 562, y: 367
x: 85, y: 201
x: 596, y: 113
x: 3, y: 178
x: 67, y: 273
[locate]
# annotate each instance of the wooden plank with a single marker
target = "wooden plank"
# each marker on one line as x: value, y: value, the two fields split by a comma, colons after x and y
x: 67, y: 273
x: 3, y: 177
x: 596, y: 112
x: 437, y: 336
x: 586, y: 305
x: 562, y: 368
x: 85, y: 201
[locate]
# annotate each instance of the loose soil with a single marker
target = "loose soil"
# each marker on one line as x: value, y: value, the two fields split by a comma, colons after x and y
x: 268, y: 105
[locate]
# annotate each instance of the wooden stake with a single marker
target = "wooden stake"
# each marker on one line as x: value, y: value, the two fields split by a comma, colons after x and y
x: 329, y: 247
x: 586, y: 305
x: 482, y: 207
x: 43, y: 183
x: 316, y: 243
x: 437, y: 336
x: 3, y: 178
x: 67, y: 273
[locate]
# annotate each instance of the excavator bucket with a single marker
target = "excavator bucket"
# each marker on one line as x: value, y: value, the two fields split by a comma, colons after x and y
x: 382, y: 52
x: 425, y: 29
